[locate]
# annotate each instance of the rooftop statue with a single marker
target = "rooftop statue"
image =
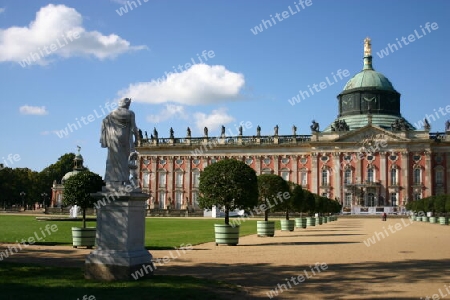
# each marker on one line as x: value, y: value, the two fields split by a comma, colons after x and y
x: 120, y: 135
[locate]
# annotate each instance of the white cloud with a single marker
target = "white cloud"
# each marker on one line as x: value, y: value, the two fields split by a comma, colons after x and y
x: 200, y: 84
x: 33, y: 110
x: 2, y: 10
x: 168, y: 112
x: 120, y: 1
x: 57, y: 31
x: 214, y: 120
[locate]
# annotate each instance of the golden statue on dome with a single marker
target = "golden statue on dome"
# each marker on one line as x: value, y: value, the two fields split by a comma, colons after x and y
x: 367, y: 47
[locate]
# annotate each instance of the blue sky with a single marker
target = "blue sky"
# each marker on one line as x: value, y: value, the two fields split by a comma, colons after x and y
x: 85, y: 55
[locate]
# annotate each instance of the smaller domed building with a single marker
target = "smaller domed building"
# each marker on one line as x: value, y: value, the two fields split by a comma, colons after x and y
x: 58, y: 188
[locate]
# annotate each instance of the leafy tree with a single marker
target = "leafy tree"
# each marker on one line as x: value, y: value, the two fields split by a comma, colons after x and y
x: 78, y: 189
x: 439, y: 204
x: 310, y: 202
x: 55, y: 171
x: 229, y: 183
x: 298, y: 198
x: 447, y: 203
x: 287, y: 202
x: 271, y: 187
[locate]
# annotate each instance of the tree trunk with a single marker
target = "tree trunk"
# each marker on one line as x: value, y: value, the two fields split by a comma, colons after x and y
x: 227, y: 215
x: 84, y: 218
x: 266, y: 214
x: 287, y: 213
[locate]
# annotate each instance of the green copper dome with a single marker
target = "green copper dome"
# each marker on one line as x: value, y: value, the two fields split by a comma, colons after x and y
x: 369, y: 78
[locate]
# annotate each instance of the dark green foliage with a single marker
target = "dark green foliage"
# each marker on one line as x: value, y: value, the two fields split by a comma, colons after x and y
x: 298, y: 198
x: 439, y: 204
x: 78, y: 189
x: 269, y: 187
x: 229, y: 183
x: 310, y: 202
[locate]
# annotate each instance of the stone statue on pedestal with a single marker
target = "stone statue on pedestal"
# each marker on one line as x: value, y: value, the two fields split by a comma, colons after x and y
x: 120, y: 135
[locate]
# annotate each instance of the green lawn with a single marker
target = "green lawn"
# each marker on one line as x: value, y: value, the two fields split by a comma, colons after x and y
x: 160, y: 233
x: 25, y: 281
x: 21, y: 282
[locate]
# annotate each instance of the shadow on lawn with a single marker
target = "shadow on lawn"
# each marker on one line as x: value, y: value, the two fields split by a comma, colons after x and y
x: 338, y: 281
x: 31, y: 282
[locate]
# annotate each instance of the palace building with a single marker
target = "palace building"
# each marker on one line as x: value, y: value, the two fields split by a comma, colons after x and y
x: 369, y: 158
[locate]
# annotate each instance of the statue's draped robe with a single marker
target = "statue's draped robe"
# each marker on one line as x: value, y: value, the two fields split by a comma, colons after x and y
x: 118, y: 129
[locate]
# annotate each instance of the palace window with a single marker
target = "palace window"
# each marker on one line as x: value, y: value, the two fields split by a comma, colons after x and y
x: 178, y: 199
x: 162, y: 200
x: 303, y: 177
x: 162, y: 179
x: 393, y: 197
x: 266, y: 171
x: 348, y: 199
x: 324, y: 177
x: 179, y: 179
x: 416, y: 176
x: 348, y: 176
x: 145, y: 179
x: 393, y: 176
x: 195, y: 199
x: 285, y: 174
x: 195, y: 178
x: 370, y: 175
x: 439, y: 176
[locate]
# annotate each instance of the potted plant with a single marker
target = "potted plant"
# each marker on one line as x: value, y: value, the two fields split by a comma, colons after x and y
x: 77, y: 191
x: 299, y: 202
x: 286, y: 206
x: 230, y: 184
x: 270, y: 189
x: 310, y: 207
x: 439, y: 208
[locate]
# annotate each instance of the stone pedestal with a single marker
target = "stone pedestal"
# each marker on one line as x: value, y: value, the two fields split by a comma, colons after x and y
x: 120, y: 238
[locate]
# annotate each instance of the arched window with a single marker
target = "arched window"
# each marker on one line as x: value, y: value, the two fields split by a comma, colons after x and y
x: 284, y: 173
x: 178, y: 178
x: 162, y: 174
x: 417, y: 175
x: 393, y: 176
x: 303, y: 177
x: 324, y: 177
x: 266, y: 171
x: 439, y: 174
x: 348, y: 176
x: 195, y: 178
x: 370, y: 175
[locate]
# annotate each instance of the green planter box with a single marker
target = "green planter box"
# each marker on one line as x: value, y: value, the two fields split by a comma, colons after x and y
x: 265, y: 228
x: 84, y: 237
x: 310, y: 221
x: 226, y: 234
x: 433, y: 220
x: 319, y: 220
x: 300, y: 222
x: 324, y: 220
x: 329, y: 219
x: 287, y: 225
x: 443, y: 220
x: 424, y: 219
